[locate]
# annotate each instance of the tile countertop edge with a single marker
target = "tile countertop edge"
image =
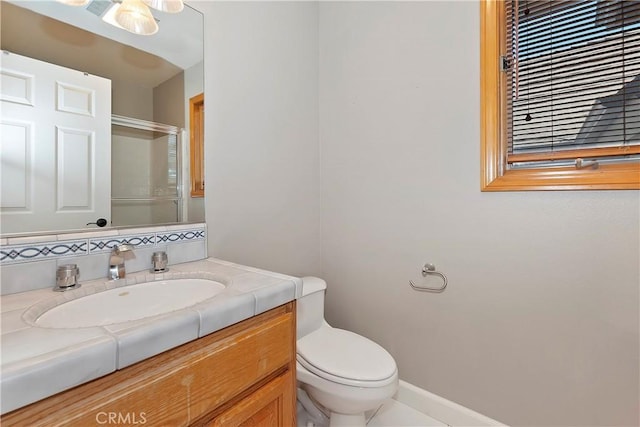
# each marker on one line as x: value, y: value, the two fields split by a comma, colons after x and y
x: 92, y: 359
x: 30, y: 380
x: 297, y: 281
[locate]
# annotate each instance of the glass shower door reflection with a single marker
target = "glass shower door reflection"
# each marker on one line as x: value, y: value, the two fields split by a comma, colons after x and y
x: 145, y: 174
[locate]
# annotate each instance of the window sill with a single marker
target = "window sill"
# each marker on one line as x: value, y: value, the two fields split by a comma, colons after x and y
x: 605, y: 177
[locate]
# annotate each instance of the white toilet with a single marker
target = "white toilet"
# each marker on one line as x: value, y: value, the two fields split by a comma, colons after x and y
x: 343, y: 373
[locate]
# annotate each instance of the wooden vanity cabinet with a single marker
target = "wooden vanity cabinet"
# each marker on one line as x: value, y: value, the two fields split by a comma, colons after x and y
x: 243, y: 375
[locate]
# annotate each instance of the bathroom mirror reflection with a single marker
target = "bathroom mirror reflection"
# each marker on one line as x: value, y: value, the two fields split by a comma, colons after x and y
x: 142, y: 177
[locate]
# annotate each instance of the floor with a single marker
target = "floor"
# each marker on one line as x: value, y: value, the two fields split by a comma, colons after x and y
x: 391, y: 414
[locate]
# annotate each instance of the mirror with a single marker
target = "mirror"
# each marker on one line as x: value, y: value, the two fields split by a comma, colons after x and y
x: 152, y: 79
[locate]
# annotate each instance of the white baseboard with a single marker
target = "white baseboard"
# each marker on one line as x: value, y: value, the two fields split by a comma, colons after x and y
x: 440, y: 408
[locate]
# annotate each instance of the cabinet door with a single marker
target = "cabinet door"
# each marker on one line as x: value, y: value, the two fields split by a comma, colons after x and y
x: 271, y: 405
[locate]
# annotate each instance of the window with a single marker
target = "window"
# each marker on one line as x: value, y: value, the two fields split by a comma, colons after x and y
x: 560, y: 95
x: 196, y: 144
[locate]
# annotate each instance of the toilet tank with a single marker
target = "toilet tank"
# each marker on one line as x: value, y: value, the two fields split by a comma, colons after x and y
x: 310, y: 307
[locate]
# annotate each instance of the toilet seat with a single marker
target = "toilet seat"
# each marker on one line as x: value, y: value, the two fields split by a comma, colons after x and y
x: 346, y: 358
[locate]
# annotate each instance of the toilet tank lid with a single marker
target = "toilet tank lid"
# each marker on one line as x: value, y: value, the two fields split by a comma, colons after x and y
x: 312, y: 284
x: 345, y: 354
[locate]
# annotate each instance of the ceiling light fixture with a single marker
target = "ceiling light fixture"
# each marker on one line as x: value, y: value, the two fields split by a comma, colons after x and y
x: 134, y: 15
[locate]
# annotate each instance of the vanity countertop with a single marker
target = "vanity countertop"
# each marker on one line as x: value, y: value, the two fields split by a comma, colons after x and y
x: 38, y: 362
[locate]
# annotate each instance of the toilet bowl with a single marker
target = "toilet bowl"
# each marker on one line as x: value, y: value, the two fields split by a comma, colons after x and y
x: 344, y: 373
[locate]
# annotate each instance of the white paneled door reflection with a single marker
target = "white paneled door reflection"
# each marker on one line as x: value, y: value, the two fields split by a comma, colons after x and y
x: 55, y: 146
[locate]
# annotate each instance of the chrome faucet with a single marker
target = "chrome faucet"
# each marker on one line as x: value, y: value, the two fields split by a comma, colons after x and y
x: 116, y: 261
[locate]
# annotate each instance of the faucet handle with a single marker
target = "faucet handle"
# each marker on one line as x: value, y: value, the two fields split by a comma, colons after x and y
x: 159, y: 262
x: 67, y: 277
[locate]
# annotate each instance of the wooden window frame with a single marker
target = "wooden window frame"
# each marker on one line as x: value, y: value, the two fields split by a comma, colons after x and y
x: 196, y: 145
x: 493, y: 149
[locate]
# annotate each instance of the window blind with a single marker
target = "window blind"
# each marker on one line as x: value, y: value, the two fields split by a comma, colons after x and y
x: 573, y: 81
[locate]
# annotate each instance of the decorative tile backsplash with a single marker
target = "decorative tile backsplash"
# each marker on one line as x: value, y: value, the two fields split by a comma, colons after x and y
x: 30, y: 262
x: 179, y: 236
x: 33, y: 252
x: 13, y: 253
x: 105, y: 245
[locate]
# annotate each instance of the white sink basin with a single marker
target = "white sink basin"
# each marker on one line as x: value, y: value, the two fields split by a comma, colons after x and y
x: 129, y: 303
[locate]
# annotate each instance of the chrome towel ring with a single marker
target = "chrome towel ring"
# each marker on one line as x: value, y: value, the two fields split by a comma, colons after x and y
x: 426, y: 270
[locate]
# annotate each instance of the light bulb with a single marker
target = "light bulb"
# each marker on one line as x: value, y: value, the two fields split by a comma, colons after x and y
x: 74, y: 2
x: 170, y: 6
x: 135, y: 17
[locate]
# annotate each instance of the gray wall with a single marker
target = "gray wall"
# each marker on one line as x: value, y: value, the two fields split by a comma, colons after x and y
x: 168, y: 105
x: 539, y: 325
x: 131, y: 100
x: 261, y: 131
x: 343, y: 141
